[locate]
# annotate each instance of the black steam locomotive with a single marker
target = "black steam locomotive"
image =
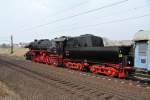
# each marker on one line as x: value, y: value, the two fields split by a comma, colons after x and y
x: 85, y: 52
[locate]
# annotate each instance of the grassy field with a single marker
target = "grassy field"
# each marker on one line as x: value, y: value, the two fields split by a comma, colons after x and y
x: 19, y: 52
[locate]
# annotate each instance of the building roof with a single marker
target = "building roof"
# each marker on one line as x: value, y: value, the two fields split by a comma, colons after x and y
x: 108, y: 42
x: 142, y: 35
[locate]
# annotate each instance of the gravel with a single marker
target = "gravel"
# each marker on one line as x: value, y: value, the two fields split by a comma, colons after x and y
x: 6, y: 93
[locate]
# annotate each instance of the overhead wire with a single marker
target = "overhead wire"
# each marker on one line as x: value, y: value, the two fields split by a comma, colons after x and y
x: 110, y: 22
x: 135, y: 8
x: 127, y: 10
x: 120, y: 20
x: 78, y: 14
x: 68, y: 9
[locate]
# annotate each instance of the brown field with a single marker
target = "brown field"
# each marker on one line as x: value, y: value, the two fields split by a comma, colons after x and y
x: 18, y: 52
x: 6, y: 93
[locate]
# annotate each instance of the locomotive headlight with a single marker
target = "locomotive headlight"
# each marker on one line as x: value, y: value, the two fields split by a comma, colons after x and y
x: 129, y: 62
x: 120, y: 55
x: 67, y: 53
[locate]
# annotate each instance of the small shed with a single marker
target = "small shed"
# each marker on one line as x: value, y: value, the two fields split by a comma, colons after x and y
x: 142, y: 50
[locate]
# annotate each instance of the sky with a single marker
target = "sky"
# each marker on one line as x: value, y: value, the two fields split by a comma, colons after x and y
x: 36, y: 19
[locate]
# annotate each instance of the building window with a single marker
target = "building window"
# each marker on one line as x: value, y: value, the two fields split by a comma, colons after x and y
x: 143, y: 49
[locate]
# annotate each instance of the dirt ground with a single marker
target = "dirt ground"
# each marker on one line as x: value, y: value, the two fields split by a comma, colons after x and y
x: 34, y: 81
x: 7, y: 94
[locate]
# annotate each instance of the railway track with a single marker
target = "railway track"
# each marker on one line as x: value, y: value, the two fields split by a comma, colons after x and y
x: 82, y: 90
x: 135, y: 80
x: 140, y: 82
x: 67, y: 86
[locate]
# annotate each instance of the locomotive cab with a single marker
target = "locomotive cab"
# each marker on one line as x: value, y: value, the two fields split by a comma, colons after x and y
x: 60, y: 45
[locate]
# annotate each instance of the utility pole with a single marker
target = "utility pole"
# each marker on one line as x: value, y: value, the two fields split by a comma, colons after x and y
x: 11, y: 45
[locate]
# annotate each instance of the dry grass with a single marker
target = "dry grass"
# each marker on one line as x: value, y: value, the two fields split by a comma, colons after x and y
x: 3, y: 90
x: 18, y: 52
x: 6, y: 93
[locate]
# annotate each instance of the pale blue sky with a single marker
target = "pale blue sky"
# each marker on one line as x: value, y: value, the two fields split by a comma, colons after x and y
x: 18, y: 17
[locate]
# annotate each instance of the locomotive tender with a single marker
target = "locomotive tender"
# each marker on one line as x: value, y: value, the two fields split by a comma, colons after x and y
x: 86, y: 53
